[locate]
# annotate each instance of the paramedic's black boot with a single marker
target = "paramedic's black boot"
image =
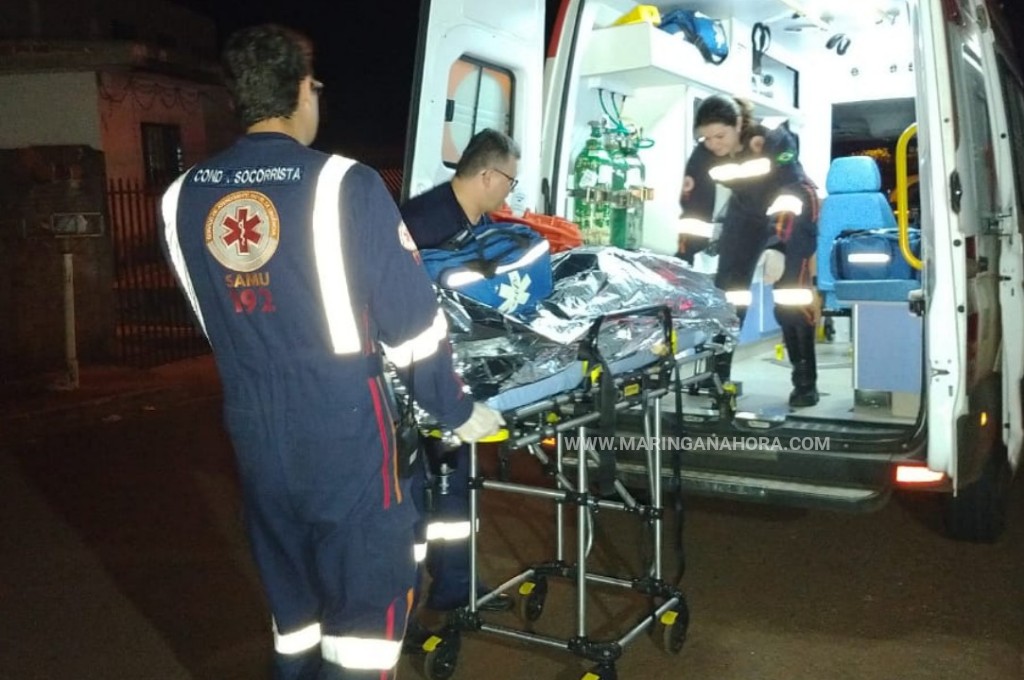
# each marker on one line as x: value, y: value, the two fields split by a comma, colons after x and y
x: 805, y: 391
x: 799, y: 340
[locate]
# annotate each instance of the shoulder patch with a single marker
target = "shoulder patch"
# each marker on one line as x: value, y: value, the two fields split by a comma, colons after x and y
x: 243, y: 230
x: 786, y: 157
x: 405, y: 238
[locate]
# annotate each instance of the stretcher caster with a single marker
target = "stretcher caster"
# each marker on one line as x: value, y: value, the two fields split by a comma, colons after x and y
x: 532, y: 595
x: 602, y: 672
x: 673, y: 626
x: 442, y: 657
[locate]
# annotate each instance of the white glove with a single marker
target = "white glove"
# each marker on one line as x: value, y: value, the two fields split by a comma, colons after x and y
x: 483, y: 422
x: 773, y: 265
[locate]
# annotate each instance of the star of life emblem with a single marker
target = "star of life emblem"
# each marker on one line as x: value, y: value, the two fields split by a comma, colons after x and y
x: 514, y: 293
x: 243, y: 230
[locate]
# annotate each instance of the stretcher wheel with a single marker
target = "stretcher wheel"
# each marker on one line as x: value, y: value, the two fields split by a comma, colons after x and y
x: 674, y: 625
x: 532, y: 595
x: 601, y: 673
x: 441, y: 660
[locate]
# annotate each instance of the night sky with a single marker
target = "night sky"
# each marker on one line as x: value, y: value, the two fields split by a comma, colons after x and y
x: 364, y: 55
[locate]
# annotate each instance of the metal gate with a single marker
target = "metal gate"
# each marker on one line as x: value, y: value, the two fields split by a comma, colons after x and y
x: 154, y: 324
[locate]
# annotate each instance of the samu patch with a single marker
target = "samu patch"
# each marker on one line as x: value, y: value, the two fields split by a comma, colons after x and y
x: 243, y: 230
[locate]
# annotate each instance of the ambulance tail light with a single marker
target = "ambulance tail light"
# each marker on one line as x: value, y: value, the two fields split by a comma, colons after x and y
x: 918, y: 475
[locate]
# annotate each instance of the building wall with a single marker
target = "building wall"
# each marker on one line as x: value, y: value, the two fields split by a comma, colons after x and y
x: 126, y: 101
x: 49, y: 108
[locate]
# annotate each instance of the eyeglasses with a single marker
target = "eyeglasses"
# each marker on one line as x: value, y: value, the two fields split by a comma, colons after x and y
x: 316, y: 86
x: 512, y: 181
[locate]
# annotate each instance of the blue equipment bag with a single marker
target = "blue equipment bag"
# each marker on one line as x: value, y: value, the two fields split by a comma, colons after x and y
x: 504, y: 265
x: 873, y: 255
x: 706, y: 34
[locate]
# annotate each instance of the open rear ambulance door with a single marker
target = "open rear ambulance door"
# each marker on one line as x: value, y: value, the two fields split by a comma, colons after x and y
x: 478, y: 65
x: 944, y: 279
x: 1004, y: 94
x: 975, y: 306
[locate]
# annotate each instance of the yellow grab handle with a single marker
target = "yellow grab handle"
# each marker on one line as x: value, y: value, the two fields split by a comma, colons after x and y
x: 902, y: 197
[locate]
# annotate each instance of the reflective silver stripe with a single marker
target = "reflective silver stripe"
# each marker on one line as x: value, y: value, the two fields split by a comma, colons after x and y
x: 361, y: 653
x: 786, y: 203
x: 739, y: 298
x: 422, y: 346
x: 733, y: 171
x: 535, y: 252
x: 795, y: 297
x: 330, y: 261
x: 868, y: 258
x: 419, y: 552
x: 297, y: 642
x: 169, y: 208
x: 457, y: 279
x: 448, y: 531
x: 695, y: 227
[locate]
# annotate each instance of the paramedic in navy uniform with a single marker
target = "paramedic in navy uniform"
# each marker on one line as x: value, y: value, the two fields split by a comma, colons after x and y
x: 438, y: 218
x: 299, y: 270
x: 773, y: 205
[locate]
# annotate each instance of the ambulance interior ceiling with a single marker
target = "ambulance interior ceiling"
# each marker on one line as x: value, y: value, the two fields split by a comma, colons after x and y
x: 799, y: 21
x: 869, y: 87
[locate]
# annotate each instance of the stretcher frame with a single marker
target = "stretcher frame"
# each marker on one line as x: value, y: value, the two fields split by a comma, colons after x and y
x: 527, y: 427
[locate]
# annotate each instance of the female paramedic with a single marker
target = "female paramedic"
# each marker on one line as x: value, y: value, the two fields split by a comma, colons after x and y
x: 774, y: 206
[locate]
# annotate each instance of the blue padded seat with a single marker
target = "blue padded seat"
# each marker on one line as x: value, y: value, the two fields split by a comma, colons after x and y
x: 854, y: 201
x: 891, y: 290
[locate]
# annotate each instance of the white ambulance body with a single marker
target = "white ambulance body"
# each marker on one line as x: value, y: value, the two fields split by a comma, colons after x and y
x: 836, y: 70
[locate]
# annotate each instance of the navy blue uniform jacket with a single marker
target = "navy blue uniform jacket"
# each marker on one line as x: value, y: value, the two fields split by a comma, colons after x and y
x: 299, y: 268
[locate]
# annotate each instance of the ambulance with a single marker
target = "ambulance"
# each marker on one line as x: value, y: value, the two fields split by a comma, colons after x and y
x: 921, y: 378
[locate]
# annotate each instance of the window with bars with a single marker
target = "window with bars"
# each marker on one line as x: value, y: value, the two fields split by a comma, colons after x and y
x: 162, y: 156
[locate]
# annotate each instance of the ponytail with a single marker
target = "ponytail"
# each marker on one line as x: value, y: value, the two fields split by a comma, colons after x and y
x: 746, y: 110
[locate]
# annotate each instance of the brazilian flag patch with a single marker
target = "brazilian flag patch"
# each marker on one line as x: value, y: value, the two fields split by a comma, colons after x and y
x: 785, y: 157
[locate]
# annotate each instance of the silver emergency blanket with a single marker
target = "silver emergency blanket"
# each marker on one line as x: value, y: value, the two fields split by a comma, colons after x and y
x: 496, y: 352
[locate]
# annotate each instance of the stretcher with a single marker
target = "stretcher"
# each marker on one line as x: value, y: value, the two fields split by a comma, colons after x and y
x: 560, y: 406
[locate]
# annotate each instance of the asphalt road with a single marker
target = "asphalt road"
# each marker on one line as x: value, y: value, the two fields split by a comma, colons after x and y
x: 123, y: 557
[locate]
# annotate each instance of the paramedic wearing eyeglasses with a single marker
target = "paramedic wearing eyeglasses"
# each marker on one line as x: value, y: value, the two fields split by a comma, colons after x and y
x: 443, y: 217
x: 772, y: 210
x: 299, y: 270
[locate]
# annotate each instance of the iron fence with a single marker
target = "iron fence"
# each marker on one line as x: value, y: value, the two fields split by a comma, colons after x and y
x: 154, y: 324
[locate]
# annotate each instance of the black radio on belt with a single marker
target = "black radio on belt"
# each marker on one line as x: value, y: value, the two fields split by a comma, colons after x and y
x: 459, y: 240
x: 408, y: 442
x: 407, y: 433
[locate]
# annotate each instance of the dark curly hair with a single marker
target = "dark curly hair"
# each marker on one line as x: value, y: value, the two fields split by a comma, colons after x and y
x: 263, y: 66
x: 726, y: 110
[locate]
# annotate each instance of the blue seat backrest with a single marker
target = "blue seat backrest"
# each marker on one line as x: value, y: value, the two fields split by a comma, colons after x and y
x: 854, y: 201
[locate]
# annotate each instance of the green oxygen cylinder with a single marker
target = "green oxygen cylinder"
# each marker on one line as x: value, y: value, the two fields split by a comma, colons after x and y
x: 592, y: 176
x: 636, y: 178
x: 618, y: 199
